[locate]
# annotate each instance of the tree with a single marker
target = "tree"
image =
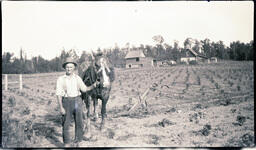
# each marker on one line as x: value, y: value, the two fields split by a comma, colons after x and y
x: 6, y: 62
x: 188, y: 43
x: 206, y: 45
x: 241, y: 51
x: 250, y: 51
x: 159, y: 49
x: 158, y: 39
x: 176, y: 45
x: 72, y: 53
x: 219, y: 49
x: 197, y: 46
x: 149, y: 51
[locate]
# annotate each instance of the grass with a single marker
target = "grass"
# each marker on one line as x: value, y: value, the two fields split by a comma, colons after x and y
x: 17, y: 134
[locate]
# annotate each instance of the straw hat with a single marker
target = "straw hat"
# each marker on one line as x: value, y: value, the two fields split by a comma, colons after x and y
x: 69, y: 60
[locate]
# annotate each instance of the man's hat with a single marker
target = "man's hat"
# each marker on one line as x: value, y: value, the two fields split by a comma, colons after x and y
x: 69, y: 60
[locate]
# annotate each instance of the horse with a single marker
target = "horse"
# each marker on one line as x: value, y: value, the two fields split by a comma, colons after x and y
x: 101, y: 72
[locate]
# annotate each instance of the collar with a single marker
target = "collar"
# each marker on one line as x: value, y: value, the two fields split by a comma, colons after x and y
x: 70, y: 76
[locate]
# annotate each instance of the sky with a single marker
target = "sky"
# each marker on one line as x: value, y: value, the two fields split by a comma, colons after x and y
x: 47, y: 27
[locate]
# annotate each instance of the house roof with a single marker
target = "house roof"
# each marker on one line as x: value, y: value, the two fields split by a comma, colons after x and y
x: 188, y: 53
x: 202, y: 56
x: 192, y: 53
x: 134, y: 54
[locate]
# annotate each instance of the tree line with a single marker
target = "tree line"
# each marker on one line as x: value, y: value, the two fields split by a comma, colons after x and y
x: 237, y: 50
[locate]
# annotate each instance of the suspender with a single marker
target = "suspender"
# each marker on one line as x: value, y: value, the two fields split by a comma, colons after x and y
x: 65, y: 86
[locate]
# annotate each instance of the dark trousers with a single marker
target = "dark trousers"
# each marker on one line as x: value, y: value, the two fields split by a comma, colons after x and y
x: 73, y: 107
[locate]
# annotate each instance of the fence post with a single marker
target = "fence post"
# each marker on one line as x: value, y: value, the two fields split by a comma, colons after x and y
x: 6, y: 82
x: 20, y: 81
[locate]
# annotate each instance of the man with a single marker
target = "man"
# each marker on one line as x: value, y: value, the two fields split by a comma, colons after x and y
x: 68, y: 94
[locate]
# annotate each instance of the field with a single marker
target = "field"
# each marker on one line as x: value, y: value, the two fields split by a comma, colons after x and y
x: 188, y: 106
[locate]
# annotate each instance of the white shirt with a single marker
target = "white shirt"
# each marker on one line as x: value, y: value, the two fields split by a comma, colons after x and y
x: 69, y: 86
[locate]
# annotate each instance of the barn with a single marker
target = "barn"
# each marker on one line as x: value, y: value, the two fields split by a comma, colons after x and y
x: 137, y: 59
x: 191, y: 55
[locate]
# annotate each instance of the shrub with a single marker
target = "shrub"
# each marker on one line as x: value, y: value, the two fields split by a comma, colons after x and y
x: 238, y: 88
x: 217, y: 86
x: 12, y: 101
x: 206, y: 130
x: 193, y: 62
x: 222, y: 91
x: 26, y: 111
x: 198, y: 80
x: 16, y: 134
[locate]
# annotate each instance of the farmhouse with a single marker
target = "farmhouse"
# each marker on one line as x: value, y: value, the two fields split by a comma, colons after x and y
x: 137, y: 59
x: 191, y: 55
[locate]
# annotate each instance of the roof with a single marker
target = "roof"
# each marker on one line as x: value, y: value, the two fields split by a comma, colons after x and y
x: 203, y: 56
x: 188, y: 53
x: 134, y: 54
x: 192, y: 53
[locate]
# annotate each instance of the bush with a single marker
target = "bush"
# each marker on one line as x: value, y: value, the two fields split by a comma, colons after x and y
x: 12, y: 101
x: 193, y: 62
x: 15, y: 133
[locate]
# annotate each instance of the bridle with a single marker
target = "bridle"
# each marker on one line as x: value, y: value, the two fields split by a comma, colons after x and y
x: 101, y: 71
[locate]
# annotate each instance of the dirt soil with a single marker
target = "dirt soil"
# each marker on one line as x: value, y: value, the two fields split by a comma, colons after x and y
x: 210, y: 105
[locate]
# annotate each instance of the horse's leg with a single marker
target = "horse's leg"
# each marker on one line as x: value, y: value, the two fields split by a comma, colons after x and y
x: 95, y: 105
x: 103, y: 113
x: 105, y: 97
x: 88, y: 120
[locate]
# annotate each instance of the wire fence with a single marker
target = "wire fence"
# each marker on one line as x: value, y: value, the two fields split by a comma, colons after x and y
x: 18, y: 79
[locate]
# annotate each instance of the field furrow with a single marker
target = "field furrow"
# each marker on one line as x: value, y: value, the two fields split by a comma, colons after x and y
x: 198, y: 105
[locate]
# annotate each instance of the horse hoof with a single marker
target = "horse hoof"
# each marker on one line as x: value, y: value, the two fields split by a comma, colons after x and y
x: 102, y: 127
x: 78, y: 144
x: 95, y: 119
x: 87, y: 137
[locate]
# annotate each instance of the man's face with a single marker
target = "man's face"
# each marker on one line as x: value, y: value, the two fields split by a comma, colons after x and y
x: 70, y: 67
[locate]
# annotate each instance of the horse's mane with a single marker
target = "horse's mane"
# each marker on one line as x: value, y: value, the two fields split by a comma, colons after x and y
x: 83, y: 67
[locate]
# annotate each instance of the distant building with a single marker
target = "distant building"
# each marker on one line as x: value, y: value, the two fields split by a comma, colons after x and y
x: 191, y: 55
x: 162, y: 63
x: 137, y: 59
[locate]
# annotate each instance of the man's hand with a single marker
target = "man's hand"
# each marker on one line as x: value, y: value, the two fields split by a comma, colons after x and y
x: 96, y: 84
x: 62, y: 111
x: 106, y: 84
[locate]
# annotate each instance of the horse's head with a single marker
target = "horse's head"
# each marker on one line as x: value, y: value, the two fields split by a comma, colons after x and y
x: 103, y: 69
x: 100, y: 60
